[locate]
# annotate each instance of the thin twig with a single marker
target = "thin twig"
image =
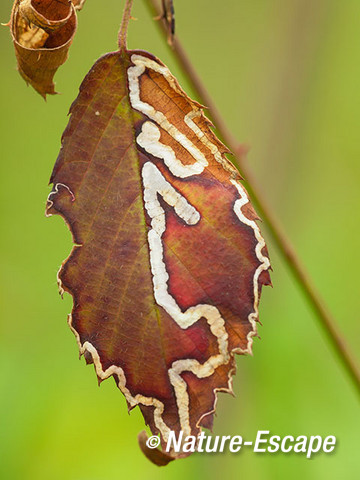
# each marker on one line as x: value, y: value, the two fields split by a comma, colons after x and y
x: 124, y: 25
x: 279, y: 238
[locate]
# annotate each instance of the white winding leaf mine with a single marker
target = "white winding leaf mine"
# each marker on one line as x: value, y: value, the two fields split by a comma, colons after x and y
x: 162, y: 179
x: 155, y: 183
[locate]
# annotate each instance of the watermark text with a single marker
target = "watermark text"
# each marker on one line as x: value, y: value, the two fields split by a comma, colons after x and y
x: 263, y: 443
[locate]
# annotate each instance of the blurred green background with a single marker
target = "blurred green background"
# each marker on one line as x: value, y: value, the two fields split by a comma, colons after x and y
x: 285, y: 74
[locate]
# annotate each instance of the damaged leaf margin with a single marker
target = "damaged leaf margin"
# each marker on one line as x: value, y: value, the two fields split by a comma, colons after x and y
x: 92, y: 205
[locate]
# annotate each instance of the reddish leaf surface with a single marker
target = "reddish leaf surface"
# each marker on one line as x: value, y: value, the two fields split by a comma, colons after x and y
x: 168, y: 263
x: 42, y: 32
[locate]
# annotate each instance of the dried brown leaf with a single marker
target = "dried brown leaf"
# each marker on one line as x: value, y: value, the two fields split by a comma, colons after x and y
x: 42, y: 32
x: 168, y: 261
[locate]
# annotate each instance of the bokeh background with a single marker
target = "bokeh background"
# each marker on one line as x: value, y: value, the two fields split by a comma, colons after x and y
x: 285, y: 74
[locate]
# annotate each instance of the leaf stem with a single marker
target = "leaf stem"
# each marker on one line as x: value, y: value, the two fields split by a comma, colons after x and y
x: 279, y: 238
x: 124, y: 25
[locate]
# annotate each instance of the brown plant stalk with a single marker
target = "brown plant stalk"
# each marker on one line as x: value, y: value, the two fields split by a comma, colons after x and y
x: 122, y: 37
x: 279, y: 238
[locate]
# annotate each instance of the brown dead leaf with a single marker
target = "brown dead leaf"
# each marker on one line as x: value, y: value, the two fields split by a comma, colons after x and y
x: 168, y: 261
x: 42, y: 32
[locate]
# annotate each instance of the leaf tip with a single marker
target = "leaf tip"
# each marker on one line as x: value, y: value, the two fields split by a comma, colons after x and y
x: 155, y: 455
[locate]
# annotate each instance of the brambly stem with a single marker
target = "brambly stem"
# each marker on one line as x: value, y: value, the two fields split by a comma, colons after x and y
x: 279, y: 238
x: 122, y: 38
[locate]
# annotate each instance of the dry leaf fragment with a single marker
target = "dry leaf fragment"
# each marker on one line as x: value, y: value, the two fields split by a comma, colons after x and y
x: 42, y: 32
x: 169, y: 18
x: 168, y: 262
x: 78, y: 4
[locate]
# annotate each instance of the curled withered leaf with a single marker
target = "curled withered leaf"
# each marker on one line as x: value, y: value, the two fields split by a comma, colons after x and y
x: 42, y: 32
